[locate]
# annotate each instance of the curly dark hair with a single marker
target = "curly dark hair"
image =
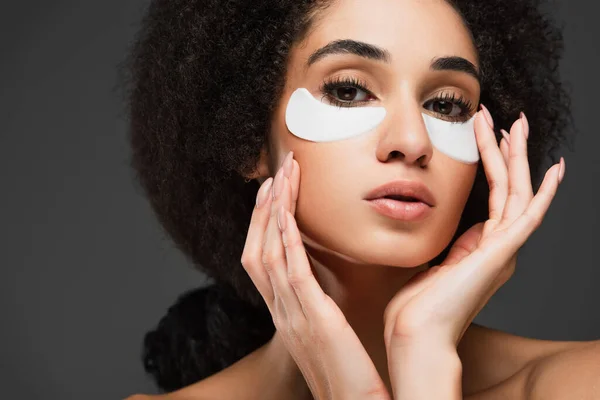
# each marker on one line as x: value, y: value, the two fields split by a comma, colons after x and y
x: 202, y: 80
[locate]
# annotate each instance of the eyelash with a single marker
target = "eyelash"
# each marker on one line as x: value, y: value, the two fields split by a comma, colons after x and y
x: 329, y: 86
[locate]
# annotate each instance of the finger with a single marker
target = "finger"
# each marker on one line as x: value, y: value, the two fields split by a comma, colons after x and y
x: 310, y: 295
x: 274, y: 258
x: 505, y: 147
x: 251, y: 255
x: 493, y: 163
x: 532, y: 217
x: 520, y: 191
x: 465, y: 244
x: 295, y: 181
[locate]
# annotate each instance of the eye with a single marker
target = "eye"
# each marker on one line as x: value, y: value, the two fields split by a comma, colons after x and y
x: 450, y: 107
x: 446, y: 108
x: 346, y: 92
x: 349, y: 93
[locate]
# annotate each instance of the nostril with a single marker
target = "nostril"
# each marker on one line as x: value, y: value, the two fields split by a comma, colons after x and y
x: 396, y: 154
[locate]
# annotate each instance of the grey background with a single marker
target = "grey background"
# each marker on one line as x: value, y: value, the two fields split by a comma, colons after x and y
x: 86, y: 269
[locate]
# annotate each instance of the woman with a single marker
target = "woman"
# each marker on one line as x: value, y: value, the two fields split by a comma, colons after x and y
x: 262, y: 132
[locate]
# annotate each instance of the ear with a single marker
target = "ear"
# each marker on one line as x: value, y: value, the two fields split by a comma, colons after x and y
x: 261, y: 170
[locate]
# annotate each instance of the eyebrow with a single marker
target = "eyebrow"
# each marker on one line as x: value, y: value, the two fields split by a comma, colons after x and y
x: 372, y: 52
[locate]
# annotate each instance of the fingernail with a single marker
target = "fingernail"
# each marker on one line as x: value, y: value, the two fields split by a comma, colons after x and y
x: 263, y: 192
x: 525, y: 123
x: 288, y: 165
x: 278, y: 185
x: 506, y: 135
x: 561, y: 170
x: 487, y: 116
x: 281, y: 219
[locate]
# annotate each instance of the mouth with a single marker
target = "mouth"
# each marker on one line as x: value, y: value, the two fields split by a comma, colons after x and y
x: 402, y: 200
x: 398, y: 197
x: 401, y: 208
x: 404, y: 191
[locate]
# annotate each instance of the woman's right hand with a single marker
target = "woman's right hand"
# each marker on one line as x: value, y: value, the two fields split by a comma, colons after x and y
x: 313, y: 328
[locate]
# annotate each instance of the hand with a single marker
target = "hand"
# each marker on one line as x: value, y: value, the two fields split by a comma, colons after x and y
x: 312, y: 327
x: 437, y: 305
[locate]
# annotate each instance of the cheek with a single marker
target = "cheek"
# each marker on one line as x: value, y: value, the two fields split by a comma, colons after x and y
x: 454, y: 184
x: 457, y: 183
x: 464, y: 179
x: 331, y: 185
x: 322, y: 173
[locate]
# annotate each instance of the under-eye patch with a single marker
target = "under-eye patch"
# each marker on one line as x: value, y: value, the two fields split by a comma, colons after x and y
x: 313, y: 120
x: 454, y: 139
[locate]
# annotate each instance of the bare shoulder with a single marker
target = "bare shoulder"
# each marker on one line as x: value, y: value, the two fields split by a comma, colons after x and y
x: 216, y: 387
x: 211, y: 388
x: 501, y: 362
x: 238, y: 381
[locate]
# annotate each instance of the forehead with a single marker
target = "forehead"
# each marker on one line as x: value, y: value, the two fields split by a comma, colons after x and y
x: 412, y: 31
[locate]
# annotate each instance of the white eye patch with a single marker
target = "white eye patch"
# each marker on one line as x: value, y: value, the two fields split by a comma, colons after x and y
x: 454, y: 139
x: 313, y: 120
x: 310, y: 119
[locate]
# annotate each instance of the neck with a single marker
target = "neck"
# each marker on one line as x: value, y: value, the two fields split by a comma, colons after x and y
x: 361, y: 291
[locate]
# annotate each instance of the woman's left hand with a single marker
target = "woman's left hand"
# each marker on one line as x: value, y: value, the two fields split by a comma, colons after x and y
x: 437, y: 305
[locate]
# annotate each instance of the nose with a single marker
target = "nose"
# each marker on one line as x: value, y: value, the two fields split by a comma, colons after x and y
x: 403, y: 136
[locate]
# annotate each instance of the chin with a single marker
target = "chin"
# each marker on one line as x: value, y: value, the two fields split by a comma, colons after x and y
x: 394, y: 257
x: 394, y: 249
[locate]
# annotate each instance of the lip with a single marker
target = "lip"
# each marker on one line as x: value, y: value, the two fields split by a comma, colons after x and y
x: 401, y: 210
x: 415, y: 189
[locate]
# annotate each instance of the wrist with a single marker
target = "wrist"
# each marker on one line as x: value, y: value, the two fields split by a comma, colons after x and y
x: 424, y: 371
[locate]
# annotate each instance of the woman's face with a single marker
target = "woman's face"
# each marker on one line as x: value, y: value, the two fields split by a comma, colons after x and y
x: 336, y: 176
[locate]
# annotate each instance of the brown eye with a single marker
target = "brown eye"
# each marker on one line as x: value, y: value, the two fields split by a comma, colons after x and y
x: 449, y: 107
x: 446, y: 108
x: 348, y: 93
